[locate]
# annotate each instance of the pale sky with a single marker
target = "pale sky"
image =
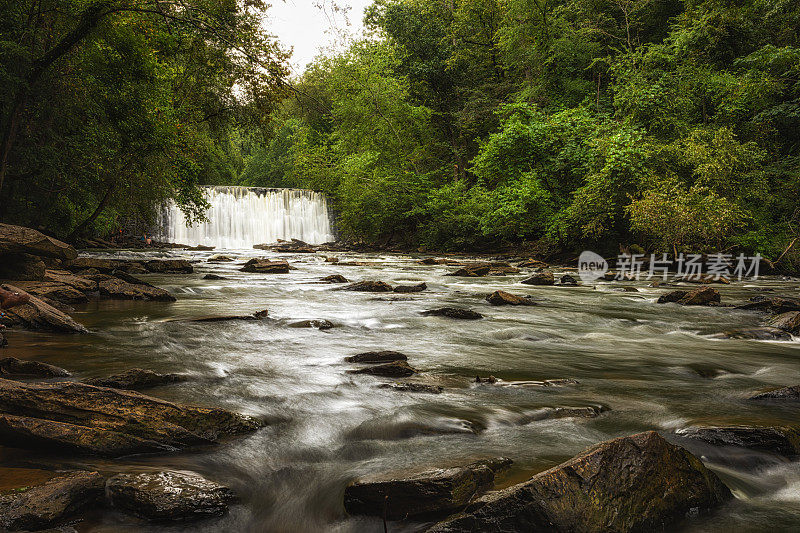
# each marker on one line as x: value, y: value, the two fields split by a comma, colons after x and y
x: 312, y: 25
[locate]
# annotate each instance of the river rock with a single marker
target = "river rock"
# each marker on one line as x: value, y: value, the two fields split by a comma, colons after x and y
x: 169, y: 266
x: 218, y: 258
x: 135, y: 379
x: 505, y: 298
x: 214, y: 277
x: 51, y: 503
x: 79, y: 283
x: 315, y: 324
x: 636, y: 483
x: 566, y: 279
x: 425, y: 495
x: 15, y: 267
x: 532, y: 263
x: 118, y: 289
x: 472, y: 271
x: 432, y: 261
x: 11, y: 366
x: 260, y: 315
x: 395, y: 369
x: 405, y: 289
x: 169, y: 495
x: 76, y: 417
x: 545, y: 277
x: 699, y: 296
x: 369, y: 286
x: 265, y: 266
x: 776, y: 304
x: 19, y: 239
x: 59, y: 292
x: 38, y: 315
x: 779, y: 440
x: 453, y: 312
x: 128, y: 278
x: 789, y: 322
x: 412, y: 387
x: 788, y: 394
x: 385, y: 356
x: 757, y: 333
x: 335, y: 278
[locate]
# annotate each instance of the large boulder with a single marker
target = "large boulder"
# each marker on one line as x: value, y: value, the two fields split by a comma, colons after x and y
x: 368, y: 286
x: 384, y: 356
x: 699, y: 296
x: 135, y: 379
x: 779, y: 440
x: 545, y: 277
x: 18, y: 239
x: 506, y: 298
x: 118, y: 289
x: 76, y: 417
x: 68, y: 278
x: 395, y: 369
x: 38, y: 315
x: 16, y: 267
x: 789, y: 322
x: 783, y: 394
x: 51, y: 503
x: 636, y: 483
x: 52, y: 290
x: 265, y: 266
x: 169, y: 495
x: 104, y: 266
x: 335, y: 278
x: 405, y: 289
x: 11, y: 366
x: 453, y: 312
x: 425, y: 495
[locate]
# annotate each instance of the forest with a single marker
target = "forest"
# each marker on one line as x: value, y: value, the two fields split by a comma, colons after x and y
x: 455, y: 125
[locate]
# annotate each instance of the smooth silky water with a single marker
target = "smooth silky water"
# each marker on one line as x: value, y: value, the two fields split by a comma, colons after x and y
x: 653, y: 365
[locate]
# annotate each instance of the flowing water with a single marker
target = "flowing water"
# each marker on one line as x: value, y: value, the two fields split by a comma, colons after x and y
x: 240, y: 217
x: 653, y: 366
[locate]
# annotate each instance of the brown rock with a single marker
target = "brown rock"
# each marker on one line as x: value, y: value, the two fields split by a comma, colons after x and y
x: 761, y: 334
x: 789, y: 322
x: 169, y: 266
x: 776, y: 304
x: 11, y: 366
x: 472, y: 271
x: 385, y: 356
x: 368, y: 286
x: 544, y: 277
x: 425, y: 495
x: 36, y: 314
x: 63, y: 276
x: 700, y: 296
x: 15, y: 267
x: 335, y: 278
x: 313, y: 324
x: 453, y: 312
x: 51, y: 503
x: 265, y: 266
x: 59, y: 292
x: 780, y: 440
x: 532, y: 263
x: 18, y: 239
x: 419, y: 287
x: 135, y: 379
x: 505, y: 298
x: 395, y: 369
x: 75, y: 417
x: 122, y: 290
x: 789, y: 394
x: 636, y: 483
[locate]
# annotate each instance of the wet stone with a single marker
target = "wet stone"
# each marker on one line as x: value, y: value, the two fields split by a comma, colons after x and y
x: 384, y: 356
x: 395, y: 369
x: 453, y: 312
x: 11, y: 366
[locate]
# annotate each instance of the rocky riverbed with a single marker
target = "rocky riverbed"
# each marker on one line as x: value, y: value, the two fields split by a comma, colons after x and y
x: 318, y: 396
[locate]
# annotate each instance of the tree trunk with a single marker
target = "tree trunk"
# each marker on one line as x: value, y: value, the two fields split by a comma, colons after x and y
x: 78, y: 231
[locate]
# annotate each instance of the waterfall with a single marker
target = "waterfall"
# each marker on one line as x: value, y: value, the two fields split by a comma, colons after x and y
x: 240, y: 217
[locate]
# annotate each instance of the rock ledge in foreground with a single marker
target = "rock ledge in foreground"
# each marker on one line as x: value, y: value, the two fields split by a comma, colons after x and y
x: 636, y: 483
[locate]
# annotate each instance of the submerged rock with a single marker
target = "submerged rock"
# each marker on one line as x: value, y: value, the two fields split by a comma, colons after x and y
x: 385, y: 356
x: 395, y: 369
x: 369, y: 286
x: 775, y: 304
x: 425, y: 495
x: 335, y: 278
x: 413, y: 387
x: 789, y: 322
x: 505, y: 298
x: 75, y: 417
x: 11, y: 366
x: 544, y: 277
x: 779, y: 440
x: 566, y: 279
x: 636, y: 483
x: 532, y: 263
x: 260, y: 315
x: 698, y: 296
x: 169, y: 495
x: 789, y: 394
x: 219, y: 258
x: 265, y: 266
x: 118, y: 289
x: 316, y: 324
x: 758, y: 333
x: 135, y: 379
x: 453, y: 312
x: 169, y: 266
x: 51, y: 503
x: 38, y: 315
x: 213, y: 277
x: 419, y: 287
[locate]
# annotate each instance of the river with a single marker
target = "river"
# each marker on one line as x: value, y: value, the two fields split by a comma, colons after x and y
x: 652, y: 366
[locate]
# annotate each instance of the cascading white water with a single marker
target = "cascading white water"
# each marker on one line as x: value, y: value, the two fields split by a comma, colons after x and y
x: 240, y: 217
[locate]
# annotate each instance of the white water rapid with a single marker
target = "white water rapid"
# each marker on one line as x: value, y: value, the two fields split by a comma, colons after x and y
x: 240, y: 217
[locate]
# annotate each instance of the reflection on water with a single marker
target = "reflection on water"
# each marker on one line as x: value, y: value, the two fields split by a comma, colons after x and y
x: 652, y: 365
